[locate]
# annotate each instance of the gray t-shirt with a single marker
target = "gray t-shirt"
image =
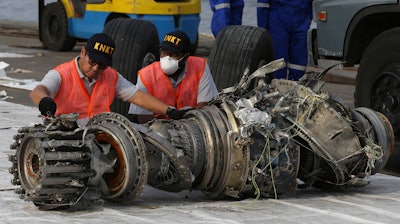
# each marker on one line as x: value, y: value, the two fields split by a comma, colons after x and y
x: 207, y: 90
x: 124, y: 89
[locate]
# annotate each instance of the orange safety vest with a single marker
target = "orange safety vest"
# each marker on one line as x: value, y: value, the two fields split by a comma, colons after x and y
x: 73, y: 96
x: 158, y: 84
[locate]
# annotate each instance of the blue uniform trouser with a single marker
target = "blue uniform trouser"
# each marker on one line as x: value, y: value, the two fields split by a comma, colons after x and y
x: 263, y: 13
x: 288, y: 28
x: 225, y: 13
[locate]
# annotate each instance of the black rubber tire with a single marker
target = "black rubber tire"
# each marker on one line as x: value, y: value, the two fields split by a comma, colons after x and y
x: 378, y: 81
x: 135, y: 47
x: 380, y: 131
x: 237, y: 48
x: 379, y: 75
x: 54, y: 28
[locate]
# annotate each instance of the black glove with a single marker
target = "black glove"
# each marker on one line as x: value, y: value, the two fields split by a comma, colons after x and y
x: 47, y: 106
x: 176, y: 114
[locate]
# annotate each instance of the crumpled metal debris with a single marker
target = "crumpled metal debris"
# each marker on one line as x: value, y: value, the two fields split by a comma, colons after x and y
x: 253, y: 141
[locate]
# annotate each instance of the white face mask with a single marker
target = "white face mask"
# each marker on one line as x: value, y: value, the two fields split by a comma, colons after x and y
x: 169, y: 65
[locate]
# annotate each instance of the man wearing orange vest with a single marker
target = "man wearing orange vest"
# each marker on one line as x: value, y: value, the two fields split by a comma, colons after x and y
x: 179, y: 80
x: 87, y: 85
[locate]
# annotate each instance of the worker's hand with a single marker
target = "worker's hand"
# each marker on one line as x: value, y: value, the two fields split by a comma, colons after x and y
x: 47, y: 106
x: 176, y: 114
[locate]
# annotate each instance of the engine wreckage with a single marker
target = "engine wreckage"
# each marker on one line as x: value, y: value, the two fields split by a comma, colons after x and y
x: 250, y: 142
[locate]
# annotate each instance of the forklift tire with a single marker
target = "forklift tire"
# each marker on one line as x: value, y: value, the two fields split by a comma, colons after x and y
x: 135, y: 47
x: 54, y: 28
x: 237, y: 48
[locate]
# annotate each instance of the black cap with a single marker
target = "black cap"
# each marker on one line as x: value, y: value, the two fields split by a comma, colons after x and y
x: 176, y: 41
x: 100, y: 48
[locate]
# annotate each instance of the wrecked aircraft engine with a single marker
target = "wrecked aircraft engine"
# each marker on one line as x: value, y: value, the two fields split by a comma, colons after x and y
x: 250, y: 142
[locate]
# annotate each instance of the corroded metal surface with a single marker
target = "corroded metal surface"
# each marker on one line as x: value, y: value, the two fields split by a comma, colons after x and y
x: 250, y: 142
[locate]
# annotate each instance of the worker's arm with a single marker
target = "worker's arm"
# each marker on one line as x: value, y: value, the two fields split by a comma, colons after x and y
x: 200, y: 105
x: 142, y: 119
x: 40, y: 96
x: 148, y: 102
x: 155, y: 105
x: 38, y: 93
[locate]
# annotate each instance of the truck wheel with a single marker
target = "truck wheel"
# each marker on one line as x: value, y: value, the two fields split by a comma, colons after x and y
x: 54, y: 28
x: 378, y: 85
x: 135, y: 42
x: 237, y: 48
x: 378, y: 78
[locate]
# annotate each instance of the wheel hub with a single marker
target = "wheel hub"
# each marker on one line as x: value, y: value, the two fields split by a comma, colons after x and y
x: 385, y: 96
x: 391, y: 103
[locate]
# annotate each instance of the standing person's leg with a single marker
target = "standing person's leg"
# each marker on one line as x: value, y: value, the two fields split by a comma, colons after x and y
x: 263, y: 13
x: 298, y: 55
x: 236, y: 12
x: 221, y: 15
x: 280, y: 38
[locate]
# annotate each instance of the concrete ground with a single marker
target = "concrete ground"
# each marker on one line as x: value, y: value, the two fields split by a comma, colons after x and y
x: 377, y: 202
